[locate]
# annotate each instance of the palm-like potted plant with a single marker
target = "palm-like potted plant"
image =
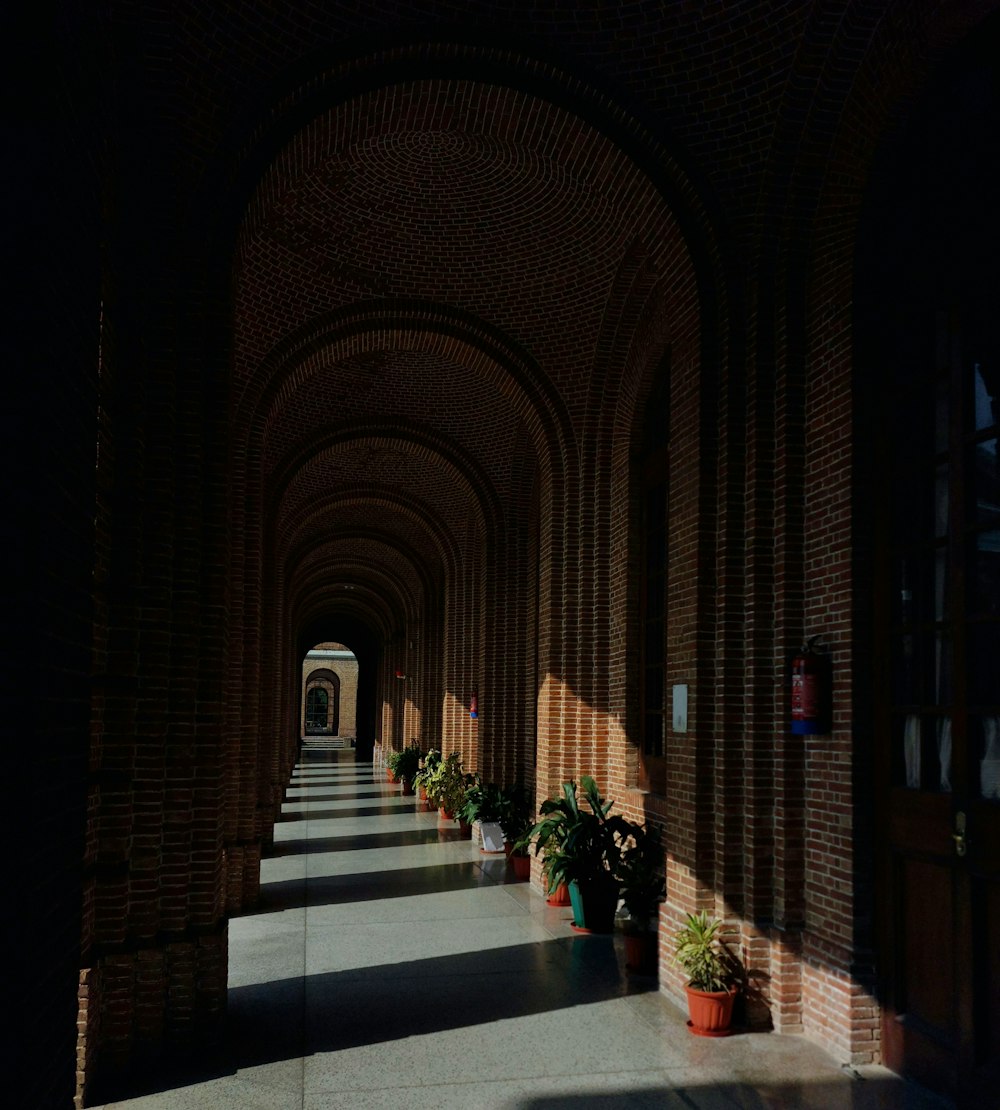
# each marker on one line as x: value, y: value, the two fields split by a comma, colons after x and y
x: 583, y: 849
x: 642, y: 890
x: 713, y: 974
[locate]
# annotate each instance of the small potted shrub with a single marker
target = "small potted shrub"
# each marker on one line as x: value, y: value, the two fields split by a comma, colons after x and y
x: 427, y: 765
x: 516, y: 820
x: 642, y: 890
x: 447, y: 784
x: 481, y: 802
x: 406, y: 765
x: 713, y: 974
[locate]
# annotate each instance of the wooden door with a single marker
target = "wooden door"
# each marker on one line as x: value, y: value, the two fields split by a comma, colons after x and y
x: 938, y: 715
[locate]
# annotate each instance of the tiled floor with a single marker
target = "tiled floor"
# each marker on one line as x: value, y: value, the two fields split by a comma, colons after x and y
x: 392, y: 965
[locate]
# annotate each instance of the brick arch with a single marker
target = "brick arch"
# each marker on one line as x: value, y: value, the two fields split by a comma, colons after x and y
x: 434, y: 460
x: 386, y: 327
x: 572, y: 206
x: 371, y: 611
x: 437, y: 556
x: 562, y: 180
x: 392, y: 588
x: 333, y: 75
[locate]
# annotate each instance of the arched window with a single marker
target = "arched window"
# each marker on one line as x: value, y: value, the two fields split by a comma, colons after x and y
x: 317, y: 708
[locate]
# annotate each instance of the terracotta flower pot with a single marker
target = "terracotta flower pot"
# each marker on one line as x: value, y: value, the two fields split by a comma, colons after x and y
x: 711, y: 1012
x: 521, y: 865
x: 407, y: 788
x: 640, y: 952
x: 560, y: 896
x: 446, y: 815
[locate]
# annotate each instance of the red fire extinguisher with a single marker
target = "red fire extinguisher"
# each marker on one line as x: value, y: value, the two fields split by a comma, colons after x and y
x: 474, y: 705
x: 809, y: 691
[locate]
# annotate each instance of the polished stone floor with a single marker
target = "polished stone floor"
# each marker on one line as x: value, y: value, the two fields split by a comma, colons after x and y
x: 390, y: 964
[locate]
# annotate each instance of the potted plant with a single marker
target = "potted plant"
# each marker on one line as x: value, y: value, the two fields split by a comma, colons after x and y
x: 547, y: 835
x: 447, y: 784
x: 642, y: 890
x: 516, y: 819
x: 405, y: 765
x: 712, y: 971
x: 427, y: 765
x: 583, y: 849
x: 482, y: 802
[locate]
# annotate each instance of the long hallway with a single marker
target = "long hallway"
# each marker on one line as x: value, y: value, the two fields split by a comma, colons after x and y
x: 391, y: 964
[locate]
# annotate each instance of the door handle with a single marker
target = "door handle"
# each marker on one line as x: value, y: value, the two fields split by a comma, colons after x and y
x: 959, y: 837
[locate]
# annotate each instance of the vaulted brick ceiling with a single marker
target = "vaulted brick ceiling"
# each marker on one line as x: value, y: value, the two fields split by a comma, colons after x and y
x: 424, y: 274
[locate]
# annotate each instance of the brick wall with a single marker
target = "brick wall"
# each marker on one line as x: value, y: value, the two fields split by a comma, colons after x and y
x: 379, y: 327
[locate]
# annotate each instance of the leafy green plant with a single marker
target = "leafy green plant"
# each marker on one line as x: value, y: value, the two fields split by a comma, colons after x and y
x: 431, y: 759
x: 481, y: 801
x: 404, y: 764
x: 508, y: 806
x: 516, y: 816
x: 639, y: 871
x: 446, y: 784
x: 701, y: 953
x: 577, y: 844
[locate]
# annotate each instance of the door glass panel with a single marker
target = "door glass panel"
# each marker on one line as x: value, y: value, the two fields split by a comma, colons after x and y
x: 922, y: 752
x: 941, y: 414
x: 909, y: 747
x: 941, y: 501
x: 984, y: 664
x: 986, y: 481
x: 943, y: 668
x: 986, y: 730
x: 904, y: 603
x: 984, y: 581
x: 986, y: 402
x: 942, y: 736
x: 906, y: 672
x: 940, y: 582
x: 918, y: 594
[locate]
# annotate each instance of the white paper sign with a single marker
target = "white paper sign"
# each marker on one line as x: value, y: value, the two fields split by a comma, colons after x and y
x: 492, y: 837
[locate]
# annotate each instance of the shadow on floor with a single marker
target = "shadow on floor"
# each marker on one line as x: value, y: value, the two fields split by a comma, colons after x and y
x: 354, y: 811
x: 857, y: 1094
x: 332, y: 793
x: 355, y: 842
x: 385, y: 1003
x: 406, y: 882
x: 388, y: 1002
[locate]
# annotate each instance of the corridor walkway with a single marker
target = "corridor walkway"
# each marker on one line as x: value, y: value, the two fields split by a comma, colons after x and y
x: 392, y: 965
